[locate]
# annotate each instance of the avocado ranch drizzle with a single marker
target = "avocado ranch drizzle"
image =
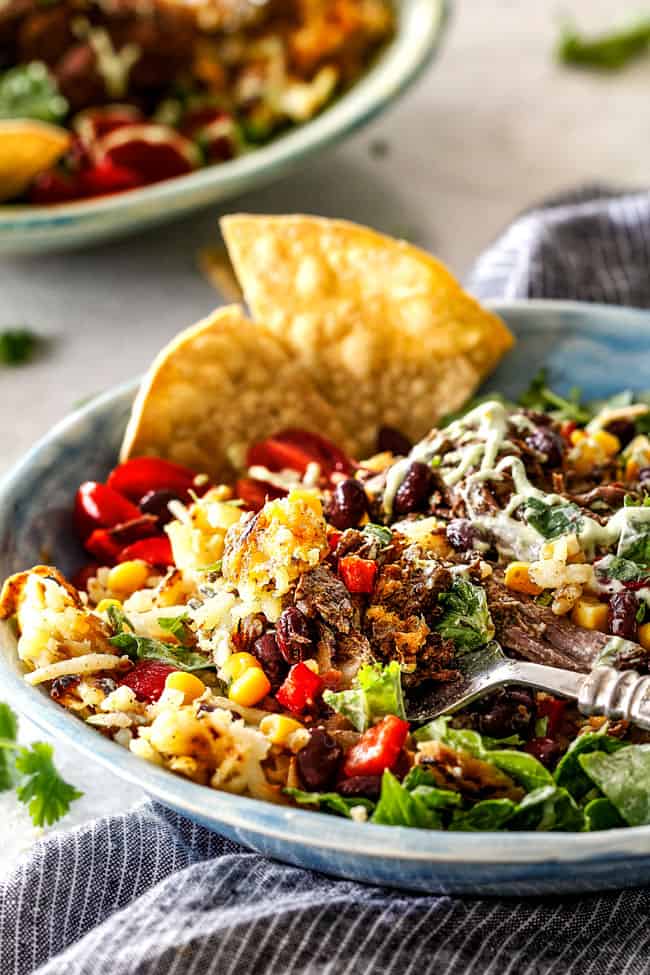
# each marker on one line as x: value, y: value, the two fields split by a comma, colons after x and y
x: 489, y: 423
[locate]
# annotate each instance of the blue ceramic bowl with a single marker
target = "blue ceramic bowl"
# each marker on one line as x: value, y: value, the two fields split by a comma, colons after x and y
x: 34, y: 229
x: 600, y: 348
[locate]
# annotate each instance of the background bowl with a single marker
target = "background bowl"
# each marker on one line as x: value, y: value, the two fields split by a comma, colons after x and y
x: 33, y: 229
x: 602, y: 349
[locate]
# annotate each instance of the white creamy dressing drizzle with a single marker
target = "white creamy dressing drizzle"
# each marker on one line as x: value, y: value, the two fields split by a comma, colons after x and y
x: 487, y: 426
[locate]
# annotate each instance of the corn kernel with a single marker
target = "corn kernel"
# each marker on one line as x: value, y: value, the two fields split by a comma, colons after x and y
x: 631, y: 470
x: 644, y: 636
x: 588, y: 455
x: 105, y: 604
x: 249, y: 689
x: 576, y: 436
x: 590, y: 614
x: 517, y: 578
x: 129, y: 576
x: 190, y: 685
x: 278, y: 728
x: 608, y: 442
x: 237, y: 664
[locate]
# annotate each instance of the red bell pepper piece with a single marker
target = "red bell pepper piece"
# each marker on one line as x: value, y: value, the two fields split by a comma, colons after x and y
x: 333, y: 540
x: 300, y: 689
x: 255, y: 493
x: 295, y: 449
x: 358, y: 574
x: 103, y: 546
x: 567, y: 429
x: 156, y: 550
x: 147, y: 679
x: 136, y: 477
x: 552, y: 708
x: 378, y: 748
x: 99, y: 506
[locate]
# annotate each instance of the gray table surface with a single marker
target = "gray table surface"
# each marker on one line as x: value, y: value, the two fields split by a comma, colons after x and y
x: 493, y: 126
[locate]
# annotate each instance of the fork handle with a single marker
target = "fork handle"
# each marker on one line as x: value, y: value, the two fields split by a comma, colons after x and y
x: 619, y: 695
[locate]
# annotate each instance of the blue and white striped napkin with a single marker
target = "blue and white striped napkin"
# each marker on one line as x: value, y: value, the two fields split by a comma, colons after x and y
x: 150, y: 893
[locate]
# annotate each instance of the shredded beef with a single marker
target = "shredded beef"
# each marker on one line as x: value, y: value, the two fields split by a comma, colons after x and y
x: 535, y: 633
x: 320, y: 595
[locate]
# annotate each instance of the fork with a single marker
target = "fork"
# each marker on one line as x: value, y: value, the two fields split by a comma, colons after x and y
x: 615, y: 694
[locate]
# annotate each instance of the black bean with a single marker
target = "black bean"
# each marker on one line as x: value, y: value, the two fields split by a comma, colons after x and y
x: 621, y: 619
x: 414, y: 491
x: 319, y: 760
x: 294, y: 635
x: 348, y: 504
x: 461, y: 534
x: 508, y: 711
x: 392, y: 440
x: 273, y: 663
x: 644, y: 478
x: 549, y: 443
x: 545, y: 750
x: 625, y: 430
x: 156, y: 503
x: 368, y: 786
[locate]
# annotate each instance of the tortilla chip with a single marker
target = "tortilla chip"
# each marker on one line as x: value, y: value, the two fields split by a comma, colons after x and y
x: 27, y: 148
x: 387, y: 332
x: 218, y: 387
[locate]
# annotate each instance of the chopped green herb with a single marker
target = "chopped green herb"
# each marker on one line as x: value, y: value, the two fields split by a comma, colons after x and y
x: 545, y: 598
x: 32, y: 771
x: 607, y: 52
x: 213, y: 567
x: 552, y: 521
x: 175, y: 625
x: 117, y: 620
x: 466, y: 618
x: 613, y: 567
x: 540, y: 397
x: 378, y: 533
x: 144, y: 648
x: 17, y: 345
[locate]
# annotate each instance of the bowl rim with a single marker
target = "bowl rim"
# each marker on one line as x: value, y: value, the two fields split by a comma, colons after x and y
x: 419, y: 32
x: 299, y: 826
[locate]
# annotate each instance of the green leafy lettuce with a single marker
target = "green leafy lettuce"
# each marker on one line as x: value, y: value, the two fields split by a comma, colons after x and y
x: 378, y: 693
x: 569, y: 772
x: 624, y: 778
x: 414, y: 802
x: 466, y: 618
x: 331, y: 801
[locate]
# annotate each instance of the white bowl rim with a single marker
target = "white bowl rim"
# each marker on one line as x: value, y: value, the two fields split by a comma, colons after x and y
x: 303, y: 827
x: 399, y: 65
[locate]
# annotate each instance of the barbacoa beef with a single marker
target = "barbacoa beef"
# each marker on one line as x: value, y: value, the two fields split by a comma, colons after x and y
x: 322, y: 596
x: 534, y: 632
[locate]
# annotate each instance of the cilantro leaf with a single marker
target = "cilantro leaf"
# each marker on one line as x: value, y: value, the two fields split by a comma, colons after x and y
x: 16, y: 345
x: 8, y: 733
x: 634, y: 544
x: 614, y: 567
x: 466, y: 618
x: 145, y: 648
x: 118, y: 620
x: 552, y: 521
x: 540, y: 397
x: 607, y: 52
x: 174, y: 625
x: 44, y: 792
x: 30, y: 91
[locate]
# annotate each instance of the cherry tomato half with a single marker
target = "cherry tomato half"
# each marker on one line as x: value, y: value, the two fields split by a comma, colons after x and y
x: 99, y: 506
x: 295, y: 449
x: 378, y: 748
x: 136, y: 477
x: 147, y: 679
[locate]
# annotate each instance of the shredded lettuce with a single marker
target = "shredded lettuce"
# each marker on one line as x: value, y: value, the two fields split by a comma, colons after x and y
x: 332, y: 801
x: 466, y: 618
x: 379, y: 692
